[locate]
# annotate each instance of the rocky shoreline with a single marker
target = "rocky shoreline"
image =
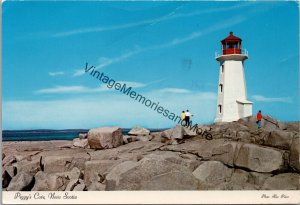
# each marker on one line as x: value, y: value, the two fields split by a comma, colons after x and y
x: 239, y: 157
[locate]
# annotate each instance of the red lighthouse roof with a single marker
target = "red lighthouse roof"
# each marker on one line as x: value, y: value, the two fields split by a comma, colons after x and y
x: 231, y: 45
x: 231, y: 38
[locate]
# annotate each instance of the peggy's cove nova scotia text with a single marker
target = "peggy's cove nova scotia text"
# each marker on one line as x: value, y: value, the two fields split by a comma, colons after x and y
x: 150, y: 96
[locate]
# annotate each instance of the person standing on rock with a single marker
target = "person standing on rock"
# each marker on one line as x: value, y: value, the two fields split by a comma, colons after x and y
x: 183, y: 118
x: 258, y: 119
x: 187, y: 118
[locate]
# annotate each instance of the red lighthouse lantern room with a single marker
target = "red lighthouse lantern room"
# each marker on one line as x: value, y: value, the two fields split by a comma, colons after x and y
x: 231, y: 45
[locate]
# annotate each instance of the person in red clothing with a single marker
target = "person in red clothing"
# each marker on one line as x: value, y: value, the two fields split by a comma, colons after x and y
x: 258, y: 118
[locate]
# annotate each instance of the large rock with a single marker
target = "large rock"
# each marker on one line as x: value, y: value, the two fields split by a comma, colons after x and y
x: 224, y: 152
x: 286, y: 181
x: 21, y: 182
x: 50, y: 182
x: 145, y: 175
x: 175, y: 133
x: 271, y: 124
x: 96, y: 170
x: 217, y: 150
x: 176, y: 180
x: 77, y: 142
x: 116, y: 179
x: 32, y: 166
x: 295, y: 153
x: 61, y: 181
x: 212, y: 173
x: 280, y: 139
x: 258, y: 158
x: 185, y: 160
x: 253, y: 157
x: 139, y: 131
x: 105, y: 137
x: 64, y: 160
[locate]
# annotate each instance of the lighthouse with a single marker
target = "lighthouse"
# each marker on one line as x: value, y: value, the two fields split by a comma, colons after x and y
x: 232, y: 103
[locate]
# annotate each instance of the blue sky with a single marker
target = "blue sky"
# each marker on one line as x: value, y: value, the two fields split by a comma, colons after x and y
x: 165, y: 50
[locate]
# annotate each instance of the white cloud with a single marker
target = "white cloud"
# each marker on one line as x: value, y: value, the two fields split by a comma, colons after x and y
x: 83, y: 89
x: 79, y: 72
x: 109, y: 61
x: 68, y: 89
x: 261, y: 98
x: 133, y: 84
x: 173, y: 90
x: 56, y: 73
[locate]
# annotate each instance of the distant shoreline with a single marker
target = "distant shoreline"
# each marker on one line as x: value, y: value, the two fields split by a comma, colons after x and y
x: 49, y: 134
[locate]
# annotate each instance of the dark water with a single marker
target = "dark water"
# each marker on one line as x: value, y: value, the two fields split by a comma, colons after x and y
x: 41, y: 135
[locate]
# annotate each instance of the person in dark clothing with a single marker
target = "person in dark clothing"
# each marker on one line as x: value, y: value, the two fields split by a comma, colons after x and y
x: 187, y: 118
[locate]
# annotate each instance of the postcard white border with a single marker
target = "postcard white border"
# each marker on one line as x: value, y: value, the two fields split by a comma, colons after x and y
x: 156, y: 197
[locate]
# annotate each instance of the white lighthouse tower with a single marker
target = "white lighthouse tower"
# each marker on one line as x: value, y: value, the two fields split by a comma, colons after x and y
x: 232, y: 94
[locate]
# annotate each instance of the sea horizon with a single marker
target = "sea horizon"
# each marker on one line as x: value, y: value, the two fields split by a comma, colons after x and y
x: 51, y: 134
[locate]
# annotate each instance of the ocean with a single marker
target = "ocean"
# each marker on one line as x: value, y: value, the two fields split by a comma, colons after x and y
x: 42, y: 135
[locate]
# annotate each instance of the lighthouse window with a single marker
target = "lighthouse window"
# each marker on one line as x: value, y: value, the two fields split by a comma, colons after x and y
x: 220, y: 108
x: 222, y: 68
x: 221, y: 87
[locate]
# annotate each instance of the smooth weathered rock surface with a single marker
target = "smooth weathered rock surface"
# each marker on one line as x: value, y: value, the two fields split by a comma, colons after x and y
x: 280, y: 139
x: 212, y: 173
x: 95, y: 170
x: 83, y: 143
x: 49, y: 182
x: 32, y: 166
x: 21, y: 182
x: 115, y: 179
x: 176, y: 180
x: 258, y: 158
x: 286, y: 181
x: 105, y: 137
x: 176, y: 133
x: 144, y: 174
x: 139, y: 131
x: 64, y: 160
